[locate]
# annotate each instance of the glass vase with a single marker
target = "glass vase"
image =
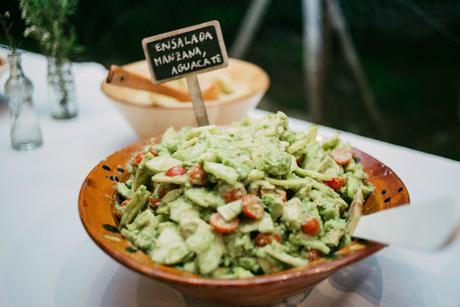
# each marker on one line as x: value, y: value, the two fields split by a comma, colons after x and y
x: 61, y: 89
x: 25, y: 132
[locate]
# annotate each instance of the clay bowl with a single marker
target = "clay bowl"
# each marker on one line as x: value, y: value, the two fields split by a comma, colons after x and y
x: 149, y: 119
x: 3, y: 66
x: 95, y: 209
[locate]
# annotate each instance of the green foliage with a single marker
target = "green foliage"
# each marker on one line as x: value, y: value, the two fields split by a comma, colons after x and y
x: 7, y: 25
x: 48, y: 22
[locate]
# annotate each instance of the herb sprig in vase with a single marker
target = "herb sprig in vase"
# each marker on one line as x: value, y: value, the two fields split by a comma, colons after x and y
x: 48, y: 22
x: 25, y: 132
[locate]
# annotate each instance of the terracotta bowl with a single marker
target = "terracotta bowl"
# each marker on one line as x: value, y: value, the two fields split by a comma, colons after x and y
x: 95, y: 207
x: 3, y: 66
x: 152, y: 119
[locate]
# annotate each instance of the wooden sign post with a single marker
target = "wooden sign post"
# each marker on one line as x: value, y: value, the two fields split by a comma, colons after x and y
x: 185, y: 53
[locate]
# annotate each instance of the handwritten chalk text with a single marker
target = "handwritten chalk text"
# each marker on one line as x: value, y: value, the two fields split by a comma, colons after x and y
x: 180, y: 42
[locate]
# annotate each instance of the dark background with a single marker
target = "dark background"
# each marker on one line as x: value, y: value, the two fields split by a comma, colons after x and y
x: 410, y: 51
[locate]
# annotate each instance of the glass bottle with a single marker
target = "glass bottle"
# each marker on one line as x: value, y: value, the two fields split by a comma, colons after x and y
x: 25, y: 132
x: 61, y: 90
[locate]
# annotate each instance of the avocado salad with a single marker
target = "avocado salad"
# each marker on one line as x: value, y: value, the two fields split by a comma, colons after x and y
x: 251, y: 199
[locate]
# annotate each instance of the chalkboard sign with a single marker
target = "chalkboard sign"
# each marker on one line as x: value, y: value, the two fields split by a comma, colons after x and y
x: 186, y: 51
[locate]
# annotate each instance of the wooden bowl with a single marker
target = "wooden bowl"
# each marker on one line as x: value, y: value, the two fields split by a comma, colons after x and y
x: 3, y: 66
x: 150, y: 119
x: 95, y: 209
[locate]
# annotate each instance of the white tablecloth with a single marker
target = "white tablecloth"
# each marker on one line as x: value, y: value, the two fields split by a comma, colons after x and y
x: 47, y: 259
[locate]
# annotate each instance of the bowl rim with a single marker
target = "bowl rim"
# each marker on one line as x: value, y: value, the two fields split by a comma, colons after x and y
x: 181, y: 278
x: 187, y: 104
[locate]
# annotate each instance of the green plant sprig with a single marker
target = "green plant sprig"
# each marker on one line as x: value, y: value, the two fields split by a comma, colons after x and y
x: 48, y: 22
x: 7, y: 25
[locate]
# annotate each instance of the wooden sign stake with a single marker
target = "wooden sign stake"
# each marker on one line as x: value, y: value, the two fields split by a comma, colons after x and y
x: 197, y: 100
x: 185, y: 53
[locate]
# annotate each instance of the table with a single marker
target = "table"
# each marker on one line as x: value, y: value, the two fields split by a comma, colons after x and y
x: 47, y: 259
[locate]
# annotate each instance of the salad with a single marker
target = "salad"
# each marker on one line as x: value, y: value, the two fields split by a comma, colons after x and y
x: 254, y: 198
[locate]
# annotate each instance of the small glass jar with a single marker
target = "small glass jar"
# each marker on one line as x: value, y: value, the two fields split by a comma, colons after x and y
x: 25, y: 132
x: 61, y: 90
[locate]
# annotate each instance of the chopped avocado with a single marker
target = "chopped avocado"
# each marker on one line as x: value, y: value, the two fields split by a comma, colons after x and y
x: 269, y: 264
x: 291, y: 183
x: 334, y: 230
x: 181, y: 209
x: 222, y: 172
x: 171, y: 196
x: 249, y: 263
x: 191, y: 153
x: 189, y: 225
x: 242, y: 273
x: 238, y: 244
x: 162, y: 178
x: 142, y: 173
x: 270, y: 157
x: 315, y: 175
x: 255, y: 175
x: 276, y: 251
x: 266, y: 223
x: 161, y: 164
x: 231, y: 210
x: 293, y: 214
x: 302, y: 239
x: 223, y: 273
x: 305, y: 139
x: 141, y: 232
x: 189, y: 267
x: 331, y: 143
x: 274, y: 205
x: 201, y: 239
x: 248, y: 226
x: 204, y: 197
x: 208, y: 260
x: 123, y: 190
x: 134, y: 205
x: 170, y: 248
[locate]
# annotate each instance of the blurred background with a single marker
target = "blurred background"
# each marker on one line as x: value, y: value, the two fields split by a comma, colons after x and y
x: 405, y: 88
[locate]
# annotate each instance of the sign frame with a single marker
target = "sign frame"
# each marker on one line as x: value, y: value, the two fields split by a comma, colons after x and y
x: 220, y: 39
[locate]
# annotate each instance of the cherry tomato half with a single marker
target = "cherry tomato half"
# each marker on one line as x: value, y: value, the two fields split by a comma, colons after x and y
x: 138, y: 158
x: 233, y: 194
x: 220, y: 225
x: 263, y: 239
x: 253, y: 207
x: 341, y: 155
x: 311, y: 227
x: 299, y: 161
x: 154, y: 202
x: 335, y: 183
x: 197, y: 175
x: 176, y: 171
